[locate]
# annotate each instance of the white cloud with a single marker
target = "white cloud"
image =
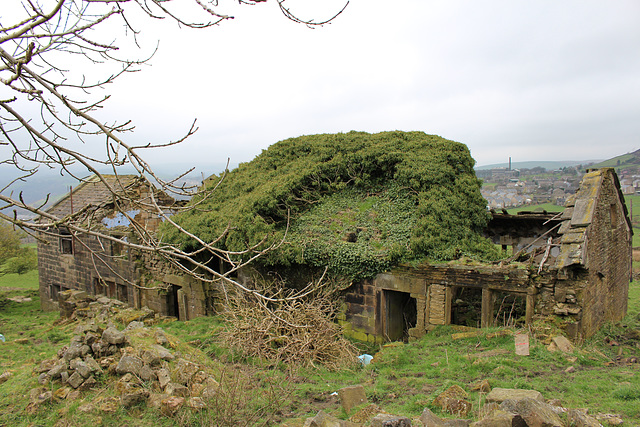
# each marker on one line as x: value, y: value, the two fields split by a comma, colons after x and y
x: 534, y: 80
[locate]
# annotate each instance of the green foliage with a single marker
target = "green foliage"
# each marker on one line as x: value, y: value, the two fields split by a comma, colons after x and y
x: 25, y: 260
x: 9, y: 242
x: 405, y: 195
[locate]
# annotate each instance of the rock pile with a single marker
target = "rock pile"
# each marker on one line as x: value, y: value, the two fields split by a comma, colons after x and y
x: 138, y: 361
x: 78, y: 305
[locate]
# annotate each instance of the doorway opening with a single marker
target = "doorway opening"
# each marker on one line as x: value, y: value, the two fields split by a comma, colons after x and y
x: 401, y: 315
x: 123, y: 293
x: 173, y: 305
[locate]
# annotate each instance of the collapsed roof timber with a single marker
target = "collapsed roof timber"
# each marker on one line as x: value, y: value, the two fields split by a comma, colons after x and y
x: 575, y: 265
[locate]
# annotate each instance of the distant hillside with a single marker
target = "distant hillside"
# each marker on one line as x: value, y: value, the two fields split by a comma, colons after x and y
x: 621, y: 162
x: 549, y: 165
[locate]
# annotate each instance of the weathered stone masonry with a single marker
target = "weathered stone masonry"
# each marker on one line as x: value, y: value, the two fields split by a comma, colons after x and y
x: 579, y: 269
x: 103, y: 266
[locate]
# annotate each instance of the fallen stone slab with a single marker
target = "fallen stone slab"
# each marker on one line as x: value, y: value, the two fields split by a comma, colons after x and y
x: 500, y: 419
x: 171, y: 405
x: 138, y: 396
x: 388, y: 420
x: 429, y: 419
x: 113, y: 336
x: 75, y: 380
x: 578, y: 418
x: 534, y: 412
x: 129, y: 364
x: 322, y: 419
x: 563, y: 344
x: 501, y: 394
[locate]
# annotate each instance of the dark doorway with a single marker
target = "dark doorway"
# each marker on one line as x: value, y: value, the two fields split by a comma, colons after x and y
x: 466, y: 307
x: 510, y: 309
x: 173, y: 306
x: 401, y: 315
x: 98, y: 288
x: 54, y: 290
x: 123, y: 293
x: 110, y: 289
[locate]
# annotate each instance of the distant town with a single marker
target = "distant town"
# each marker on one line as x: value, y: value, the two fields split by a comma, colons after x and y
x: 507, y: 187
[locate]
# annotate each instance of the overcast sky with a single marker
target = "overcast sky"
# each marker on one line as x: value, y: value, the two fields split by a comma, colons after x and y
x: 534, y: 80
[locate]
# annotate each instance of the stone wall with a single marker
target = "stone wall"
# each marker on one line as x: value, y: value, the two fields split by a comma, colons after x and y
x: 608, y: 260
x: 367, y: 313
x: 580, y: 273
x: 120, y: 273
x: 106, y: 273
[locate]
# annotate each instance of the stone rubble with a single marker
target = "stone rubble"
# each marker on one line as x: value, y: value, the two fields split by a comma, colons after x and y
x: 506, y: 408
x: 149, y: 374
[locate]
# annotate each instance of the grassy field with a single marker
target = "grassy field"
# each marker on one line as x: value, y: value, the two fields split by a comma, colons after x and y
x: 403, y: 379
x: 633, y: 206
x: 28, y: 280
x: 549, y: 207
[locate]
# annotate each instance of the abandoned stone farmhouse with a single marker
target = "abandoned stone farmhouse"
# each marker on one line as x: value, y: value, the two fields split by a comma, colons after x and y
x: 575, y: 265
x: 96, y: 265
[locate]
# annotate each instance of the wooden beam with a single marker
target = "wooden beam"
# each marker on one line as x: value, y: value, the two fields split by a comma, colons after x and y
x: 486, y: 318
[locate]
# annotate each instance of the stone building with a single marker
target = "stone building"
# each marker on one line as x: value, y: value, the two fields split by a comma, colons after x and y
x: 576, y: 265
x: 106, y: 266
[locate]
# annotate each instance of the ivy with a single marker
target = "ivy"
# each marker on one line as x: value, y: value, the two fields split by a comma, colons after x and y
x: 358, y: 203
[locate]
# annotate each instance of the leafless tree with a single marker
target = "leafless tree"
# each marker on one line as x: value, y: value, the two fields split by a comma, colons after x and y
x: 48, y: 109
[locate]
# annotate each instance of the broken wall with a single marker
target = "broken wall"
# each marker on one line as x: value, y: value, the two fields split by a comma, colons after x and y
x: 80, y: 270
x: 595, y: 265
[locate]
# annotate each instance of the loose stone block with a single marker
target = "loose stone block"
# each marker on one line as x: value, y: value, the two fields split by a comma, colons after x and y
x: 502, y: 394
x: 352, y: 396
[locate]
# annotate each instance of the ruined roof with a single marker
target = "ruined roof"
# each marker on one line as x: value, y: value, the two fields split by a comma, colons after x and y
x: 92, y: 191
x: 578, y: 216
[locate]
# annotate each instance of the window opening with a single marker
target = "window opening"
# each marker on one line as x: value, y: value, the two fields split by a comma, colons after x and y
x: 66, y: 240
x: 98, y: 287
x: 510, y: 309
x: 54, y: 290
x: 173, y: 305
x: 466, y: 307
x: 110, y: 289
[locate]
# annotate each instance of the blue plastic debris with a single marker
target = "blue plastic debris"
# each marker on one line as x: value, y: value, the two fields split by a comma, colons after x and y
x: 365, y: 359
x: 1, y: 337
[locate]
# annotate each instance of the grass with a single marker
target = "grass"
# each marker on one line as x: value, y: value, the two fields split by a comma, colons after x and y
x: 633, y: 207
x: 615, y: 161
x: 403, y: 379
x: 549, y: 207
x: 28, y: 280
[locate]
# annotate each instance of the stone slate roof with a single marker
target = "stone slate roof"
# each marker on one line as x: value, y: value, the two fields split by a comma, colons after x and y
x: 578, y: 215
x: 92, y: 192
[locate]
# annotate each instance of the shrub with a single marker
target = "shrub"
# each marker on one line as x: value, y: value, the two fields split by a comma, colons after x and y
x: 358, y: 203
x: 9, y: 242
x: 25, y: 261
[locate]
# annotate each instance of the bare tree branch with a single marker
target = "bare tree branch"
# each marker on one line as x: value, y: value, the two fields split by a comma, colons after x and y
x: 37, y: 49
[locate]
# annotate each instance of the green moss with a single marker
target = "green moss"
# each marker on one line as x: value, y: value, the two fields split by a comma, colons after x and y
x: 358, y: 203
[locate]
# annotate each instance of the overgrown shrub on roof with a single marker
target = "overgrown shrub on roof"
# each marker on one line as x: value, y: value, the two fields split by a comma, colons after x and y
x: 358, y: 203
